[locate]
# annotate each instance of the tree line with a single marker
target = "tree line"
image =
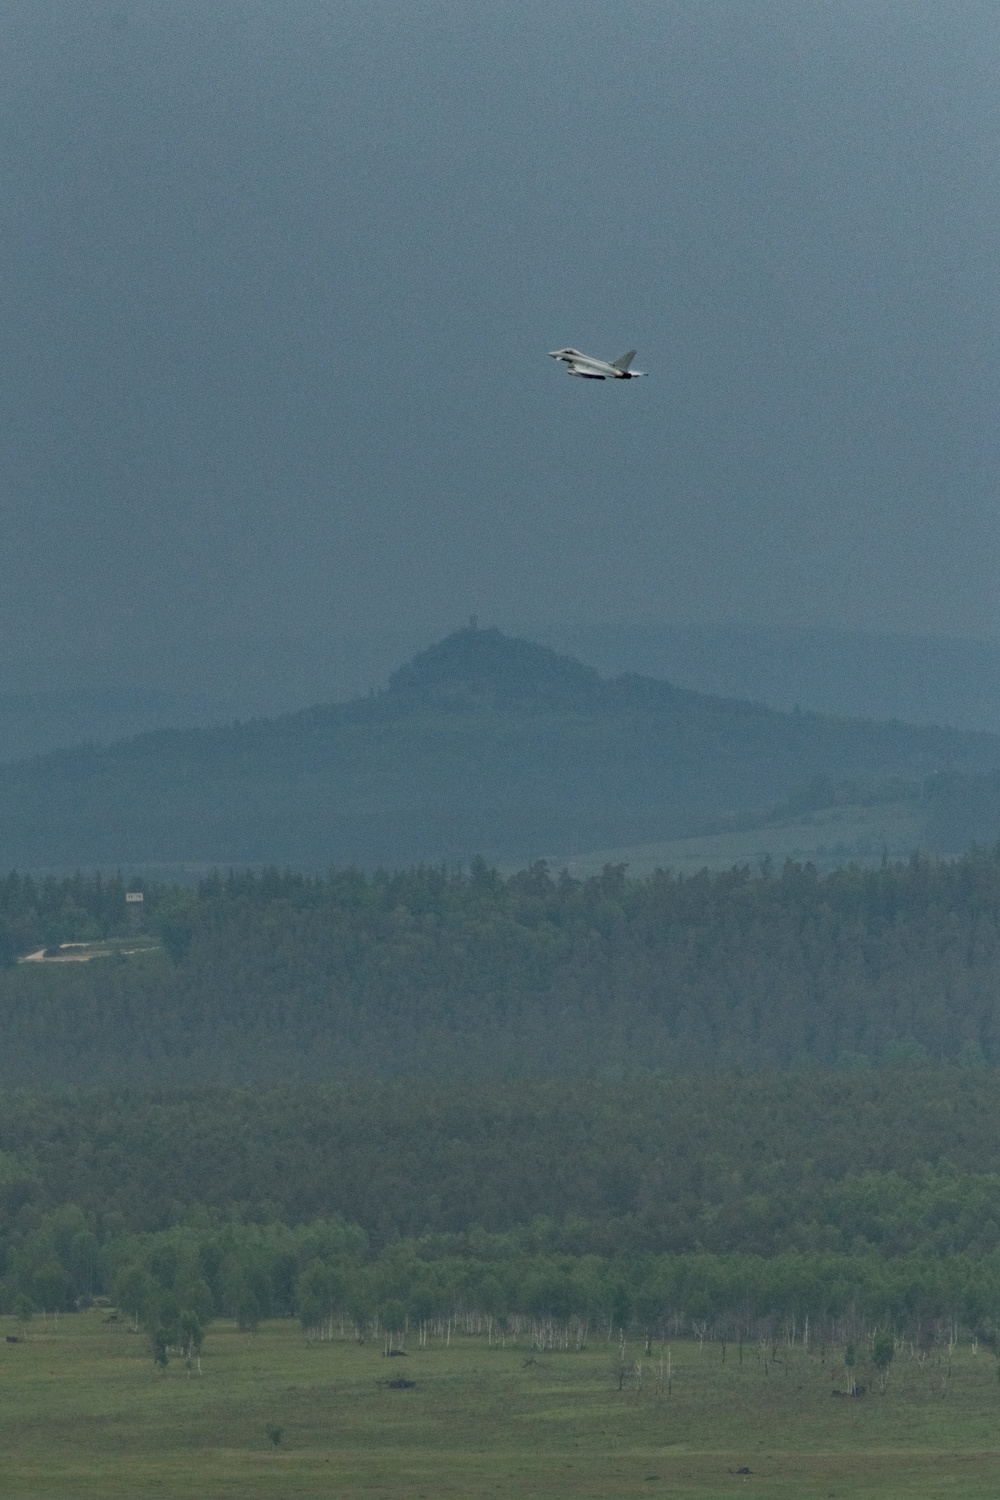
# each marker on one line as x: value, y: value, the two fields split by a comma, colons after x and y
x: 276, y: 975
x: 175, y: 1282
x: 893, y: 1161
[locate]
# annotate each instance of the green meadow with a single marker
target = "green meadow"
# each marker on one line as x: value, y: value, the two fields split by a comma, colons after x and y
x: 829, y: 838
x: 84, y: 1412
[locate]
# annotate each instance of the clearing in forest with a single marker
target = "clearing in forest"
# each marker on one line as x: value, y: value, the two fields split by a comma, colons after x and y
x: 85, y: 1412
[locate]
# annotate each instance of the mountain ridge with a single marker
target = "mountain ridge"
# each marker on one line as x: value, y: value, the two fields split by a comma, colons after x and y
x: 482, y: 744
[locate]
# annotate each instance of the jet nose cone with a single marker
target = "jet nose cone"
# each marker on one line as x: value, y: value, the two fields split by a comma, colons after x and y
x: 554, y: 353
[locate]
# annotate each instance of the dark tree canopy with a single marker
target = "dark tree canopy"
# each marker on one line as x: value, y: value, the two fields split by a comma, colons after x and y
x: 272, y: 975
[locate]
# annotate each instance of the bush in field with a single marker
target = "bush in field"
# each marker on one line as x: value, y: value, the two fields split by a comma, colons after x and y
x: 883, y: 1350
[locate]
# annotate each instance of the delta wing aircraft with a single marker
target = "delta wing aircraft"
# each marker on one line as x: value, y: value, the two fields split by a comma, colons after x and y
x: 589, y: 368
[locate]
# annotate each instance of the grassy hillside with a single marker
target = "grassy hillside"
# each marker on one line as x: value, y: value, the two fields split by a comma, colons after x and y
x: 482, y: 744
x: 828, y: 838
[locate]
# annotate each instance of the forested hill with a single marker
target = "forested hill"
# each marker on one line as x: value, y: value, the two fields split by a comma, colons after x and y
x: 483, y: 744
x: 900, y: 1160
x: 426, y: 973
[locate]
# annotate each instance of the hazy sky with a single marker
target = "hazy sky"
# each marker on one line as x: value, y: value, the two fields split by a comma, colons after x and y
x: 278, y: 279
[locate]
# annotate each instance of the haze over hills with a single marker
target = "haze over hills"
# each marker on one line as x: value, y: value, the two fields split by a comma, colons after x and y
x: 849, y: 673
x: 49, y: 703
x: 483, y: 744
x: 34, y: 722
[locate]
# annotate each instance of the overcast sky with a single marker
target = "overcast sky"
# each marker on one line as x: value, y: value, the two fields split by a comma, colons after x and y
x: 278, y: 279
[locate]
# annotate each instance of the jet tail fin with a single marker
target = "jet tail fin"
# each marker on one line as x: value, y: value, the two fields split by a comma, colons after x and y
x: 625, y: 360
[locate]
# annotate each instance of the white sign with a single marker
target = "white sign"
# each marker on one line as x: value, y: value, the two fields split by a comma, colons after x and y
x: 133, y: 895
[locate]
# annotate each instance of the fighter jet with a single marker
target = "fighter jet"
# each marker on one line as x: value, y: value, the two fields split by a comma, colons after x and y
x: 589, y: 368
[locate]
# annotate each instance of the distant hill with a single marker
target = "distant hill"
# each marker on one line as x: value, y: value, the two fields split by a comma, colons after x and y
x: 848, y: 673
x: 482, y: 744
x: 33, y: 723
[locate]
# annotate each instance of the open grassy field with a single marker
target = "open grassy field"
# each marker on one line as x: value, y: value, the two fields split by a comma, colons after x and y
x: 833, y: 837
x: 84, y: 1413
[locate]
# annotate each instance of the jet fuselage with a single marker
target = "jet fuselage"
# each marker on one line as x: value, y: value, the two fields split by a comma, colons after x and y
x: 588, y: 368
